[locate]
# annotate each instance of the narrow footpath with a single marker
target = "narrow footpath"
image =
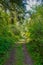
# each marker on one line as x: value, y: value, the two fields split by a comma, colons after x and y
x: 19, y: 56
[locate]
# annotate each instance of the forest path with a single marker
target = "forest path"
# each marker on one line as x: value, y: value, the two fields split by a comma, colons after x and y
x: 27, y: 58
x: 11, y: 58
x: 19, y: 56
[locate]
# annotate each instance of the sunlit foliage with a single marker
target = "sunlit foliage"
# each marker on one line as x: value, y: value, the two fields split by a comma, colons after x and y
x: 36, y: 29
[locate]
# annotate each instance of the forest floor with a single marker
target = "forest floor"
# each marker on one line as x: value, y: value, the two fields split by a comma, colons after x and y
x: 19, y: 56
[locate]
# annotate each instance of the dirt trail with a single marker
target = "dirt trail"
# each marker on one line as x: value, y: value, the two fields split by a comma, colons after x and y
x: 27, y: 59
x: 11, y: 59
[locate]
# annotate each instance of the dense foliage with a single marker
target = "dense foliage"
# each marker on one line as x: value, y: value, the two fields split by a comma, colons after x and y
x: 14, y: 26
x: 36, y: 35
x: 9, y: 33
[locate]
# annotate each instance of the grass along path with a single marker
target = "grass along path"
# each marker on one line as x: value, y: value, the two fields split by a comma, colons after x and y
x: 19, y: 55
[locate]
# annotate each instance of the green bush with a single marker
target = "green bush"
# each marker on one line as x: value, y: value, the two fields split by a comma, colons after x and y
x: 36, y: 36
